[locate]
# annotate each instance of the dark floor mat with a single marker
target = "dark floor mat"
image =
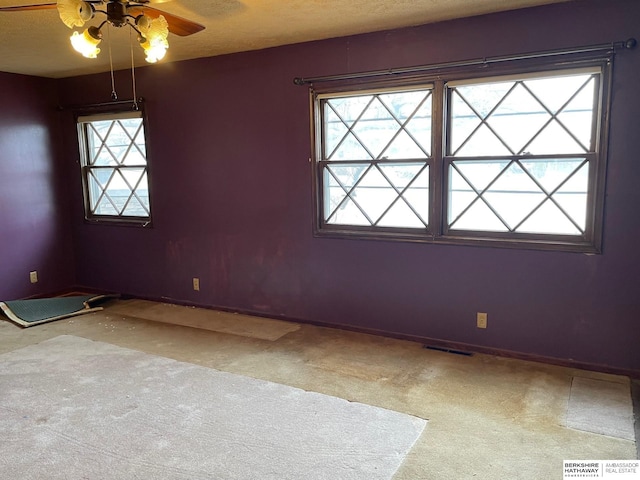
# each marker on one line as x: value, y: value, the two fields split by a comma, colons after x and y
x: 28, y: 313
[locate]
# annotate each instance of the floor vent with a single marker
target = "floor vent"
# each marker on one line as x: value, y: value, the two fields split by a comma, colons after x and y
x: 448, y: 350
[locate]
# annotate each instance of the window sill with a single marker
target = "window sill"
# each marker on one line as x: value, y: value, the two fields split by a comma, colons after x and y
x: 476, y: 240
x: 119, y: 222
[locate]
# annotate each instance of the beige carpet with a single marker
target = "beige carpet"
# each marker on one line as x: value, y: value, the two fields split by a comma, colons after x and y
x: 601, y: 406
x: 72, y: 408
x: 214, y: 320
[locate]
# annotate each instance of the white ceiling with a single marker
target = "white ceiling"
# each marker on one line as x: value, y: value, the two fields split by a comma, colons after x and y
x: 37, y: 42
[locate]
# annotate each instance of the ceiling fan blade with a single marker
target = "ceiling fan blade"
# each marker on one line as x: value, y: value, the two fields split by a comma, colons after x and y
x: 19, y: 8
x: 177, y: 25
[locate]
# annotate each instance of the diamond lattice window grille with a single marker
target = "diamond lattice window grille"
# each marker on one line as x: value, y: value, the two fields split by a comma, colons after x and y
x: 116, y: 166
x: 517, y: 193
x: 375, y: 158
x: 536, y: 116
x: 516, y: 158
x: 378, y: 126
x: 520, y: 153
x: 377, y: 195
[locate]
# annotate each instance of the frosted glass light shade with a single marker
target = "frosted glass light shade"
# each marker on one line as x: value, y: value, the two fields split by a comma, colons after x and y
x: 74, y: 13
x: 87, y: 42
x: 154, y: 42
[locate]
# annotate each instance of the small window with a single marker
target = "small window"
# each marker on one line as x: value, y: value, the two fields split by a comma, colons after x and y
x: 114, y: 167
x: 517, y: 159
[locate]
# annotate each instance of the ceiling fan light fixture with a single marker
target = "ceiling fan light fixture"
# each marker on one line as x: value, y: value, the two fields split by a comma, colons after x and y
x: 87, y: 43
x: 154, y: 37
x: 75, y: 13
x: 151, y: 27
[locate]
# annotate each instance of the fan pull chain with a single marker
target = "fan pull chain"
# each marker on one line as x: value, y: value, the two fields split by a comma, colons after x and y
x: 133, y: 74
x: 114, y: 95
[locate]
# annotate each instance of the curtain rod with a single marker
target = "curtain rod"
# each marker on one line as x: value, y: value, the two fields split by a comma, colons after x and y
x: 103, y: 104
x: 625, y: 44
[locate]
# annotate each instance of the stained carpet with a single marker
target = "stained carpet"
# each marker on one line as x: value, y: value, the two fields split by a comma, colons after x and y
x: 214, y: 320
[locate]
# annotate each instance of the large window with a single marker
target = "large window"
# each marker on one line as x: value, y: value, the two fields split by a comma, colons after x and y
x: 114, y: 167
x: 515, y: 159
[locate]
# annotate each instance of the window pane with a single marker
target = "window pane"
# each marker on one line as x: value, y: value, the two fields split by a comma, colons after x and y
x: 411, y: 210
x: 375, y: 194
x: 339, y: 180
x: 479, y: 216
x: 100, y: 203
x: 470, y: 105
x: 334, y: 132
x: 572, y: 196
x: 513, y: 195
x: 138, y: 204
x: 518, y: 118
x: 379, y: 195
x: 549, y: 219
x: 376, y: 128
x: 369, y: 127
x: 530, y: 116
x: 115, y: 142
x: 555, y: 139
x: 121, y: 191
x: 111, y: 190
x: 510, y: 195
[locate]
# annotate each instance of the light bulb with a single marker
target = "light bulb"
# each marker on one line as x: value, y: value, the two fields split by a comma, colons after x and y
x: 87, y: 43
x: 155, y: 49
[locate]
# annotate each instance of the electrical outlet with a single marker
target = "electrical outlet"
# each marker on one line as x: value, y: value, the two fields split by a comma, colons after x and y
x: 33, y: 276
x: 481, y: 319
x: 196, y: 284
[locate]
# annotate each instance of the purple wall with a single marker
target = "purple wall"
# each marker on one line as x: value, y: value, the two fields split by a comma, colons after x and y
x: 34, y: 223
x: 229, y: 146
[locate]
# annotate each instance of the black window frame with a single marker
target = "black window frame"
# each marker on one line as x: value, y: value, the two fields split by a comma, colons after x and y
x: 437, y: 231
x: 105, y: 112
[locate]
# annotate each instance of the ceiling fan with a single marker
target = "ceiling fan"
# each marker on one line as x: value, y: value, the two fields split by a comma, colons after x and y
x: 151, y: 24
